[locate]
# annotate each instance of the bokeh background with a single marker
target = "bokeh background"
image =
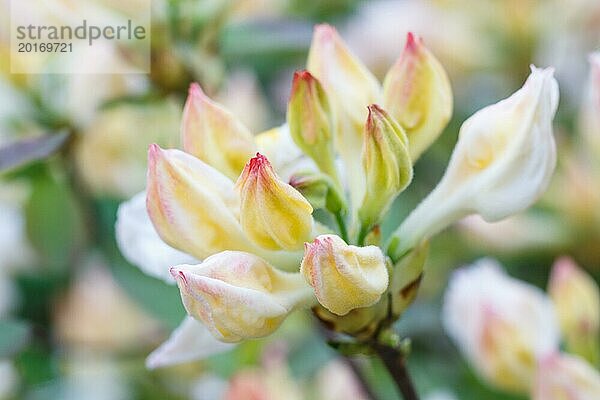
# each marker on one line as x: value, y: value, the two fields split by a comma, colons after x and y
x: 77, y: 321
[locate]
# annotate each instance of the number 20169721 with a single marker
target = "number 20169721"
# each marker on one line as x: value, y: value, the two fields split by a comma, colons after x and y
x: 45, y: 47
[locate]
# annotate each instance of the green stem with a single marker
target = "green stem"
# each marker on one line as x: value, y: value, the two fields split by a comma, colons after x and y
x: 339, y: 219
x: 362, y: 235
x: 395, y: 363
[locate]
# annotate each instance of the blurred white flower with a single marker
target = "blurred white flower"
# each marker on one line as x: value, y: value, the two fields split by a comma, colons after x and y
x: 16, y: 252
x: 561, y: 376
x: 97, y: 313
x: 111, y: 152
x: 272, y: 380
x: 242, y: 95
x: 14, y: 106
x: 9, y: 379
x: 503, y: 326
x: 208, y: 387
x: 336, y: 381
x: 94, y: 376
x: 440, y: 395
x: 378, y: 29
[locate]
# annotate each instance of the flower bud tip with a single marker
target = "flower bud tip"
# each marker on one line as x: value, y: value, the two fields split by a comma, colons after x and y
x: 195, y: 90
x: 299, y: 76
x: 257, y: 162
x: 325, y: 31
x: 176, y: 273
x: 154, y: 151
x: 411, y: 42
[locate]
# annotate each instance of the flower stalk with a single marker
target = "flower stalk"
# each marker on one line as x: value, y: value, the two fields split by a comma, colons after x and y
x: 394, y: 360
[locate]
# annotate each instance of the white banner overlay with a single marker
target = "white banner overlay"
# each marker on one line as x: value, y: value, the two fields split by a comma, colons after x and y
x: 79, y: 37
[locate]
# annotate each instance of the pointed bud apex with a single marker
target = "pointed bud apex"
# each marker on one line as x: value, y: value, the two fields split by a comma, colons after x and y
x: 577, y: 300
x: 502, y: 163
x: 273, y: 214
x: 387, y: 165
x: 340, y: 72
x: 214, y: 135
x: 311, y: 123
x: 344, y: 277
x: 418, y: 95
x: 350, y: 87
x: 180, y: 186
x: 319, y: 189
x: 238, y: 295
x: 561, y: 376
x: 500, y: 324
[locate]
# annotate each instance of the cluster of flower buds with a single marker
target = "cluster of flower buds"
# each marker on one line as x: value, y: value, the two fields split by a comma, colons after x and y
x: 347, y: 148
x: 510, y: 331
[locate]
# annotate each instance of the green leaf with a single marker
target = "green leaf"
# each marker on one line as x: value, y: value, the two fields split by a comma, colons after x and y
x: 14, y: 335
x: 54, y: 221
x: 155, y: 296
x: 308, y: 356
x: 266, y: 46
x: 25, y: 151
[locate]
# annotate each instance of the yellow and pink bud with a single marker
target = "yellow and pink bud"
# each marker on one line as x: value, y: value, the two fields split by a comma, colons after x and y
x: 344, y: 277
x: 193, y: 207
x: 387, y: 165
x: 214, y: 135
x: 417, y: 93
x: 238, y: 295
x: 577, y: 300
x: 311, y: 122
x: 272, y: 213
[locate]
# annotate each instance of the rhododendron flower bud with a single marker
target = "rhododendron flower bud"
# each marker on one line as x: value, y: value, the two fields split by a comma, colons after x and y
x: 561, y: 376
x: 346, y: 79
x: 387, y: 164
x: 344, y: 277
x: 214, y: 135
x: 502, y: 162
x: 238, y: 295
x: 351, y: 87
x: 501, y: 325
x: 417, y: 93
x: 311, y: 123
x: 577, y: 301
x: 273, y: 214
x: 192, y: 206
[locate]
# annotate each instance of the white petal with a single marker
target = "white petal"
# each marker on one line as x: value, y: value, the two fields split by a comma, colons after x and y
x: 141, y: 245
x: 190, y: 341
x: 279, y: 147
